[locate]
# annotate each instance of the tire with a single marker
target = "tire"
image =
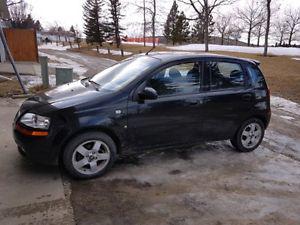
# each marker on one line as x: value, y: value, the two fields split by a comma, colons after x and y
x: 89, y: 155
x: 249, y: 136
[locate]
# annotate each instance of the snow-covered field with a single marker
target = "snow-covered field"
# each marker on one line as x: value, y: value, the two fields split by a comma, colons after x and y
x: 113, y: 52
x: 244, y: 49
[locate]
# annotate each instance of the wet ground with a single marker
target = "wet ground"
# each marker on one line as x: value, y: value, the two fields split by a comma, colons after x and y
x: 208, y: 184
x: 205, y: 184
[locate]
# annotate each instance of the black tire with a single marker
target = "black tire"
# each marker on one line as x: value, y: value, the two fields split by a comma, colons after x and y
x: 79, y: 140
x: 236, y: 141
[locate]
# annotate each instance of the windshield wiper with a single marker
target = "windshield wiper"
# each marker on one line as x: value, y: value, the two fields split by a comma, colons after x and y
x: 95, y: 84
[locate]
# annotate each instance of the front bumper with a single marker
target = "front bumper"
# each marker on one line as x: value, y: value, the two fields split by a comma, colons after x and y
x: 44, y: 150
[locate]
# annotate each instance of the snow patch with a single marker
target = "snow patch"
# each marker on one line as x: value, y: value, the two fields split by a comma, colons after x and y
x: 53, y: 47
x: 32, y: 81
x: 244, y: 49
x: 296, y: 58
x: 141, y: 43
x: 287, y: 117
x: 285, y: 105
x: 79, y: 69
x: 113, y: 52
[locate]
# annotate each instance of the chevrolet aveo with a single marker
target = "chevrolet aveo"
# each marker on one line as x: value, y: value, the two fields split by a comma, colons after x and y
x: 157, y: 100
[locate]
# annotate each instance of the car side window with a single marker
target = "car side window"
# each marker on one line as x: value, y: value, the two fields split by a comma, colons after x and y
x: 182, y: 78
x: 224, y: 75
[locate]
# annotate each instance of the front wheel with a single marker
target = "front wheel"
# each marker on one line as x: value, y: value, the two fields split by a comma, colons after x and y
x: 249, y: 136
x: 89, y: 155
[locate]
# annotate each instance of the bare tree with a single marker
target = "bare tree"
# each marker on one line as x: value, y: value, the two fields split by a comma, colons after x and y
x: 293, y: 22
x: 280, y: 31
x: 208, y: 7
x: 251, y: 15
x: 259, y: 31
x: 223, y: 26
x: 18, y: 11
x: 235, y: 32
x: 13, y: 2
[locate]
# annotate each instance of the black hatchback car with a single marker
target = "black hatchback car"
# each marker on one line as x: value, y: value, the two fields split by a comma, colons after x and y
x: 156, y: 100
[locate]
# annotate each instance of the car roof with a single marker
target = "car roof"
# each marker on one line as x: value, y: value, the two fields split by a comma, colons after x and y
x: 166, y: 57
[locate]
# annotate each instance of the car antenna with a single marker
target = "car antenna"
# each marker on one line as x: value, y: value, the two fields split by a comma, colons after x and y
x: 150, y: 50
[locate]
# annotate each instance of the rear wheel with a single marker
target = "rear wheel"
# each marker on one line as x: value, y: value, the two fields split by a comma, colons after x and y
x: 89, y: 155
x: 249, y: 136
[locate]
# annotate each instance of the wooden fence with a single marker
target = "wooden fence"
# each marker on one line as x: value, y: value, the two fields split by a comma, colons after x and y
x: 22, y: 44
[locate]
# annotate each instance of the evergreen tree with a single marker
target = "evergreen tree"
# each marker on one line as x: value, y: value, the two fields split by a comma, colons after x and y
x: 94, y: 28
x: 182, y: 29
x: 115, y: 16
x: 72, y: 30
x: 170, y: 25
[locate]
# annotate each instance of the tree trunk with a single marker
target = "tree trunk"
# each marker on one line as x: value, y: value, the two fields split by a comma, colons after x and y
x: 291, y: 36
x: 206, y: 24
x: 222, y: 39
x: 258, y: 36
x: 153, y: 23
x: 281, y: 38
x: 249, y: 37
x: 268, y: 27
x: 144, y: 35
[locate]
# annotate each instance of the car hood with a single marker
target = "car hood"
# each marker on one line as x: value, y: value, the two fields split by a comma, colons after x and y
x: 70, y: 94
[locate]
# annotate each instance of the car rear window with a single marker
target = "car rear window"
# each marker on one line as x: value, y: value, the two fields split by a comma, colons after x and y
x: 256, y: 76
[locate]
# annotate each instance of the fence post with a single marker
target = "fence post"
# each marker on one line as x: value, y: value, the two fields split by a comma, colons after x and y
x: 122, y: 52
x: 44, y: 71
x: 108, y: 50
x: 63, y: 75
x: 97, y: 48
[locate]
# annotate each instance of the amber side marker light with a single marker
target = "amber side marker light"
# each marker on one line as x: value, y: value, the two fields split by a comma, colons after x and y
x: 31, y: 132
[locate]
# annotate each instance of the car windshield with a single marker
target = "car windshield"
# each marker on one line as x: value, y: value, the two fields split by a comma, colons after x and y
x: 121, y: 74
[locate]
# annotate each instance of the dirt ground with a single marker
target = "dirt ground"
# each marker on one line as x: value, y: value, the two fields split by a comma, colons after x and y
x: 208, y: 184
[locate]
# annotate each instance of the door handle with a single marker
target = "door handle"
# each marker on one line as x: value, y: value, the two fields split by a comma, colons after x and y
x: 246, y: 97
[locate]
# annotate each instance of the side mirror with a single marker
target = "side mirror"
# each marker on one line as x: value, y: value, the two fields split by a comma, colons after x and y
x: 148, y: 94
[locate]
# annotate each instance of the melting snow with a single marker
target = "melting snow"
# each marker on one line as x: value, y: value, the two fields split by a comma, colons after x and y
x: 63, y: 62
x: 285, y: 105
x: 113, y: 52
x: 53, y: 47
x: 287, y: 117
x: 230, y: 48
x: 296, y: 58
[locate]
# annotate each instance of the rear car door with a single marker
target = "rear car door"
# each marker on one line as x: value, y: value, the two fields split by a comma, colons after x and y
x: 174, y: 117
x: 229, y: 98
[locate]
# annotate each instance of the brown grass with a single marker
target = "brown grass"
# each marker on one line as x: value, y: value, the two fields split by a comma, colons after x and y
x: 10, y: 88
x: 135, y: 49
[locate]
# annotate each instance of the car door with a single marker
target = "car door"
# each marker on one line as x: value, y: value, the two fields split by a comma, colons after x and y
x: 174, y: 116
x: 229, y: 100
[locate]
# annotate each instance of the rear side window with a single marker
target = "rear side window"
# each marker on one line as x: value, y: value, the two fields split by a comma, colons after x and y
x: 224, y: 75
x: 257, y: 78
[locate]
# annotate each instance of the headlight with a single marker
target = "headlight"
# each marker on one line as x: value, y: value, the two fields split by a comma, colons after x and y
x: 35, y: 121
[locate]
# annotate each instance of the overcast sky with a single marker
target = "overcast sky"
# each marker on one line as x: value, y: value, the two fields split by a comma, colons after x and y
x: 69, y: 12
